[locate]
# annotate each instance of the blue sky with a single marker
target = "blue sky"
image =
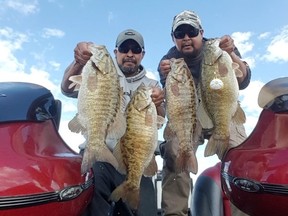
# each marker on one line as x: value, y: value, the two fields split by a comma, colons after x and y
x: 37, y: 39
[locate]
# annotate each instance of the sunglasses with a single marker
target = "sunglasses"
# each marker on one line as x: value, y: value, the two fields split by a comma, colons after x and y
x: 125, y: 49
x: 180, y: 34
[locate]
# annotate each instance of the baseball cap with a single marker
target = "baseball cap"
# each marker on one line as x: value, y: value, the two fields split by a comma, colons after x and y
x: 186, y: 17
x: 130, y: 34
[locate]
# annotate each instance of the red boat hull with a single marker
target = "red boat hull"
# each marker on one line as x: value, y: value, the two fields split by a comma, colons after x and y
x: 39, y: 173
x: 255, y: 174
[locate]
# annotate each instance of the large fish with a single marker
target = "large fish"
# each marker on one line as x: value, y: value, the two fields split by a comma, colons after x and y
x: 181, y: 105
x: 219, y: 92
x: 135, y: 151
x: 99, y: 107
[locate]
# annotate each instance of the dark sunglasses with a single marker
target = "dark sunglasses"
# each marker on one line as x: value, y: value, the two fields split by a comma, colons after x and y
x: 180, y: 34
x: 125, y: 49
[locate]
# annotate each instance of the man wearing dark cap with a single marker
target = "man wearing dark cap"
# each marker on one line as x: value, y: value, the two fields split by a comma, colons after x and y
x: 129, y: 52
x: 187, y: 35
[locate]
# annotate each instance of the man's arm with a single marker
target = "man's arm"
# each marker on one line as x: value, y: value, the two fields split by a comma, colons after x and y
x: 81, y: 55
x: 73, y: 69
x: 244, y: 67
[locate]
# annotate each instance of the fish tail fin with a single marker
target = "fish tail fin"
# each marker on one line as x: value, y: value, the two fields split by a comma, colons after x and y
x: 91, y: 156
x: 187, y: 161
x: 216, y: 146
x: 118, y: 193
x: 107, y: 156
x: 87, y: 160
x: 152, y: 168
x: 131, y: 197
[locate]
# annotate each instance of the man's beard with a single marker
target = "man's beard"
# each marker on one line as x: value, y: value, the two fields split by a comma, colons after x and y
x: 192, y: 54
x: 129, y: 70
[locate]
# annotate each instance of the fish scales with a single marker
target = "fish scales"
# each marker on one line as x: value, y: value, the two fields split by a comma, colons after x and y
x: 98, y: 105
x: 181, y: 105
x: 135, y: 151
x: 221, y: 104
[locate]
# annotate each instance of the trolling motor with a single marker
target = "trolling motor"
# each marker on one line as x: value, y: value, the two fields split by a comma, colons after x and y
x: 254, y: 175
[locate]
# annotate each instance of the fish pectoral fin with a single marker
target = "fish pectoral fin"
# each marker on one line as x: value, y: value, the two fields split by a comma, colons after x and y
x: 239, y: 116
x: 203, y: 117
x: 118, y: 155
x: 152, y: 168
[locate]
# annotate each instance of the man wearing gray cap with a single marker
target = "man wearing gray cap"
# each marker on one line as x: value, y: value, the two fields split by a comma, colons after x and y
x: 187, y: 35
x: 129, y: 52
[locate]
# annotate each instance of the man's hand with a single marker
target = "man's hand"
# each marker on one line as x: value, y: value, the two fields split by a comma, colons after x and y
x: 165, y: 67
x: 157, y: 96
x: 82, y: 53
x: 227, y: 44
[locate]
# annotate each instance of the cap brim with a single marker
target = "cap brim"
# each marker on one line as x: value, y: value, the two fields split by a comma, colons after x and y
x: 185, y: 23
x: 271, y: 90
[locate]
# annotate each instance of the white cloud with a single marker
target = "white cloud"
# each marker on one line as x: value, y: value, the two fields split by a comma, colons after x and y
x: 22, y: 6
x: 50, y: 32
x: 264, y: 35
x: 277, y: 49
x: 55, y: 65
x: 152, y: 75
x: 241, y: 40
x: 249, y: 103
x: 10, y: 42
